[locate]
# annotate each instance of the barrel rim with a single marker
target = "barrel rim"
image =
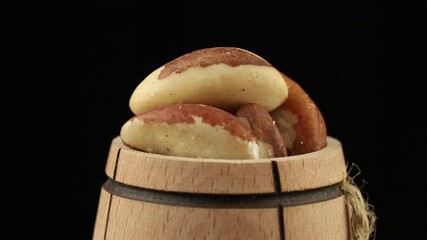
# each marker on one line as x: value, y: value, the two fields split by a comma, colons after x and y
x: 332, y: 143
x: 218, y: 176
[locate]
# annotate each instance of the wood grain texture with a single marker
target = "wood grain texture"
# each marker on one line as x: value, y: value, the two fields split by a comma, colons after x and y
x: 313, y: 170
x: 125, y: 215
x: 102, y: 214
x: 126, y: 219
x: 193, y: 175
x: 321, y: 221
x: 169, y: 173
x: 135, y: 220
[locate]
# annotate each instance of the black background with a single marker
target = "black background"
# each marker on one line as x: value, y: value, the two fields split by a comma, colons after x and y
x: 361, y: 61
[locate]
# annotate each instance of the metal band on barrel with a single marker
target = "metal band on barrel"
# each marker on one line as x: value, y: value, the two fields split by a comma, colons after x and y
x: 284, y: 199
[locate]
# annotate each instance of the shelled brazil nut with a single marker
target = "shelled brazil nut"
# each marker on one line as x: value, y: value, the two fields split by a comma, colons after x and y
x: 223, y: 77
x: 300, y: 121
x: 224, y: 103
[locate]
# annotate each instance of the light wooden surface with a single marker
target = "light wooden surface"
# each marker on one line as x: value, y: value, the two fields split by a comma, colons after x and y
x: 187, y: 174
x: 313, y: 170
x: 169, y: 173
x: 321, y: 221
x: 102, y: 215
x: 124, y: 215
x: 135, y: 220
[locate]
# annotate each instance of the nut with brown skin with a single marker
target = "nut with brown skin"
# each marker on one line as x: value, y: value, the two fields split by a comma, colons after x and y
x: 263, y: 127
x: 223, y: 77
x: 300, y: 121
x: 190, y: 130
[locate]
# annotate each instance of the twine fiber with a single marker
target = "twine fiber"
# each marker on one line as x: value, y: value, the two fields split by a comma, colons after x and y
x: 362, y: 218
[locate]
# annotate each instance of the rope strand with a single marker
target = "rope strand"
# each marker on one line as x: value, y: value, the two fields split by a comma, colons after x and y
x: 362, y: 218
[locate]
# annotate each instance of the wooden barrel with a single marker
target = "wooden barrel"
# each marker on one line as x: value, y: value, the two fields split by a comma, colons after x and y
x: 151, y: 196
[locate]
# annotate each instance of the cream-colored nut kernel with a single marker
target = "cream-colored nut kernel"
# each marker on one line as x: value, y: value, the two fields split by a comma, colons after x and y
x: 264, y: 129
x: 300, y: 121
x: 223, y: 77
x: 190, y: 130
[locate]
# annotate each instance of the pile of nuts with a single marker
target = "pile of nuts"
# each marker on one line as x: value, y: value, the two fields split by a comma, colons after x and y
x: 223, y: 103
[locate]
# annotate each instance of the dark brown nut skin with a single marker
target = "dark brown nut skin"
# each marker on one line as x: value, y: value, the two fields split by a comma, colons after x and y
x: 300, y: 121
x: 264, y: 128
